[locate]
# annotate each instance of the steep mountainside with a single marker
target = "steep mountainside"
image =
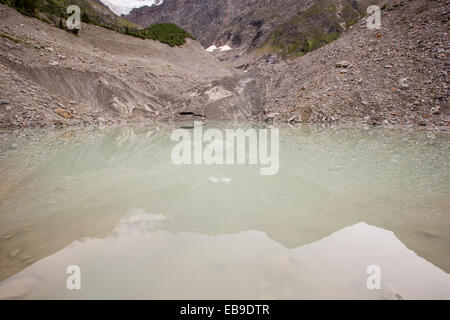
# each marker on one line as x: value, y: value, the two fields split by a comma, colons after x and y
x: 395, y: 75
x: 51, y: 11
x: 287, y: 26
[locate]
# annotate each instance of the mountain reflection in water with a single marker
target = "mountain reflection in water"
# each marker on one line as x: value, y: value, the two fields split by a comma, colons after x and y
x: 112, y: 202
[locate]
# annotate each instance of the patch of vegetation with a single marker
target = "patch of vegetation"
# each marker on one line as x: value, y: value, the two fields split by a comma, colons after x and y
x: 54, y: 12
x: 308, y: 31
x: 5, y: 36
x: 52, y: 7
x: 85, y: 18
x: 26, y: 7
x: 350, y: 15
x: 167, y: 33
x: 47, y: 10
x: 315, y: 27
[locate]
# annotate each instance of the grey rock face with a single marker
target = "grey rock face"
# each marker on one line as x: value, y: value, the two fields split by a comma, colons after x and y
x: 249, y: 24
x: 393, y: 76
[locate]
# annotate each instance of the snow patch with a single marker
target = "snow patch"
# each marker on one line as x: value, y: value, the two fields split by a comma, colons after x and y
x: 225, y: 48
x: 221, y: 48
x: 211, y: 48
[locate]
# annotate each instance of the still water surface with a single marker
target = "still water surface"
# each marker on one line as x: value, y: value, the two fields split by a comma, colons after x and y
x: 111, y: 201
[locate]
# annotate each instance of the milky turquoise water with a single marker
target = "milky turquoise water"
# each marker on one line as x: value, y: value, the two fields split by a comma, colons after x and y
x: 111, y: 201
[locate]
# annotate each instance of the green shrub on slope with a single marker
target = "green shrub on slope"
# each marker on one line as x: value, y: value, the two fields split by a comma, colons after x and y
x: 168, y: 33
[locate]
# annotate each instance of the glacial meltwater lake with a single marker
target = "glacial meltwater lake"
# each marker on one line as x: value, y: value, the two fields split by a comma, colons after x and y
x: 112, y: 202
